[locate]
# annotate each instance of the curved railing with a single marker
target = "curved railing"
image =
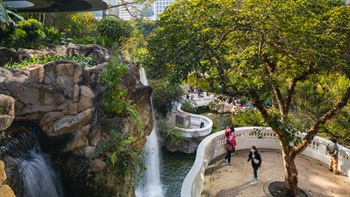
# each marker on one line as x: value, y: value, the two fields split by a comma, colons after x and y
x: 212, y: 147
x: 203, y: 100
x: 196, y: 120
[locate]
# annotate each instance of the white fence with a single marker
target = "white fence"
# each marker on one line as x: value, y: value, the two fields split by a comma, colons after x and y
x: 202, y: 101
x: 212, y: 147
x: 196, y: 120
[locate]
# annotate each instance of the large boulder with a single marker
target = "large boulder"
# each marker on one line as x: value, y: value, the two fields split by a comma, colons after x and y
x: 7, y: 55
x: 52, y: 95
x: 5, y: 190
x: 7, y: 111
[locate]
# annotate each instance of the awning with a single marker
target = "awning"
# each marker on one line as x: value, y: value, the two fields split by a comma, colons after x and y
x: 56, y: 5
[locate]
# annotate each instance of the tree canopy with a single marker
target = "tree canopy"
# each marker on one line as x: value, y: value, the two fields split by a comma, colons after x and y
x: 295, y: 53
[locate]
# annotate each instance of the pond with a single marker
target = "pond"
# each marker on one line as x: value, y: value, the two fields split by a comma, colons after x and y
x: 174, y: 170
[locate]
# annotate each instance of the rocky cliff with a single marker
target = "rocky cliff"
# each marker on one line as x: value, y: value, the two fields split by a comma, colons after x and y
x: 63, y: 99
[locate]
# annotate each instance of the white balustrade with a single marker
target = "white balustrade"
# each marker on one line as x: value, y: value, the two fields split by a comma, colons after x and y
x: 202, y: 101
x: 196, y: 120
x: 212, y: 147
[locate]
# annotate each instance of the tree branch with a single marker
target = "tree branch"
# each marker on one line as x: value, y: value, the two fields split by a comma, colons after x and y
x: 292, y: 86
x: 312, y: 132
x: 123, y: 3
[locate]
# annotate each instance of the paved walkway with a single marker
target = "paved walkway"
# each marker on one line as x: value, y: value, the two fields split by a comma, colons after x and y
x: 223, y: 180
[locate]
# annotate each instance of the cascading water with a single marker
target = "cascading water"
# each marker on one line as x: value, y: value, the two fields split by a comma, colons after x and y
x: 39, y: 179
x: 150, y: 185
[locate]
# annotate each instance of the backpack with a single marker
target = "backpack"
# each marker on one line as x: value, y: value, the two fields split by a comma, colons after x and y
x: 331, y: 148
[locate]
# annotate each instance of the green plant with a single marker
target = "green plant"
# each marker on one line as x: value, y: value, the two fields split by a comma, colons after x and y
x: 250, y: 117
x: 115, y: 98
x: 113, y: 31
x: 122, y: 157
x: 34, y: 33
x: 220, y: 122
x: 173, y: 134
x: 189, y: 106
x: 52, y: 36
x: 85, y: 61
x: 164, y: 94
x: 7, y: 16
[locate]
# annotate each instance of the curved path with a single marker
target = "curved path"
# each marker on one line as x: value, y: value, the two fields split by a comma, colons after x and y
x: 222, y: 180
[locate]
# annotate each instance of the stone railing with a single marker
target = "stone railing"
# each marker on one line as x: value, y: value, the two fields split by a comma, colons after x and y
x: 196, y: 120
x: 212, y: 147
x: 202, y: 101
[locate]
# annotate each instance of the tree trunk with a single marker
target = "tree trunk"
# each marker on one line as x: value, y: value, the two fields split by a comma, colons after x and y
x: 291, y: 172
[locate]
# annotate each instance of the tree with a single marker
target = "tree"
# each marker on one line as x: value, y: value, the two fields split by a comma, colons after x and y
x: 262, y: 50
x: 113, y: 30
x: 164, y: 94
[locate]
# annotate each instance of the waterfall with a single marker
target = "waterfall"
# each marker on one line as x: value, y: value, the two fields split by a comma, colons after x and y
x: 150, y: 185
x: 39, y: 178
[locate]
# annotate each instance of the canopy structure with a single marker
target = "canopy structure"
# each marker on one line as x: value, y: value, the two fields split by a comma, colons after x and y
x: 43, y: 6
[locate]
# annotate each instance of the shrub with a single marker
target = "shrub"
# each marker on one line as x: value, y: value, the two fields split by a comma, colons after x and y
x: 34, y: 33
x: 113, y: 31
x: 52, y: 36
x: 221, y: 122
x: 249, y: 117
x: 173, y: 134
x: 164, y: 94
x: 189, y: 106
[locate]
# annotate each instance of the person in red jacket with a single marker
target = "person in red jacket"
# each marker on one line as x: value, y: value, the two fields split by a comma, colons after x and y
x: 231, y: 131
x: 231, y: 141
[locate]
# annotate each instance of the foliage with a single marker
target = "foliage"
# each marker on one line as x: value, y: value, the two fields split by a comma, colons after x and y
x: 249, y: 117
x: 322, y: 96
x: 83, y: 28
x: 34, y: 33
x: 186, y: 39
x: 12, y: 37
x: 120, y: 151
x: 52, y: 36
x: 189, y: 106
x: 164, y: 94
x: 113, y: 31
x: 173, y: 134
x: 221, y: 122
x: 143, y: 25
x: 131, y: 46
x: 115, y: 100
x: 85, y: 61
x: 198, y: 81
x: 7, y: 16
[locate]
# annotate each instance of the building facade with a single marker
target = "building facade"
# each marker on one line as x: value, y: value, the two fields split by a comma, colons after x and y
x: 160, y: 6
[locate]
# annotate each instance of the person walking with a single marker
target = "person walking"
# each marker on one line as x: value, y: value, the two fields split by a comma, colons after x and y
x: 255, y: 157
x: 230, y: 143
x: 333, y: 152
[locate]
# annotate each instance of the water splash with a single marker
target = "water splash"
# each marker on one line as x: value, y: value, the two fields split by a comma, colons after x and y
x: 150, y: 185
x: 39, y: 178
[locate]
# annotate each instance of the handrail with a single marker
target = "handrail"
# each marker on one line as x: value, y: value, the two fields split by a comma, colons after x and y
x: 204, y: 100
x: 212, y: 147
x: 196, y: 120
